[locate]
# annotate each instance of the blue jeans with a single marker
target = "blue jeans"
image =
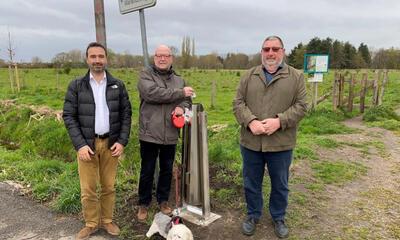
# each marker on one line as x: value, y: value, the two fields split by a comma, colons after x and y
x: 253, y: 173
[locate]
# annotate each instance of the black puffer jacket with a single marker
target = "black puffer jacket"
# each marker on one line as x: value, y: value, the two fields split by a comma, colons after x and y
x: 79, y: 112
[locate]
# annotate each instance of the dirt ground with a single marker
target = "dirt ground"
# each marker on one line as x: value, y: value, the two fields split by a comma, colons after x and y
x: 366, y: 208
x: 23, y: 219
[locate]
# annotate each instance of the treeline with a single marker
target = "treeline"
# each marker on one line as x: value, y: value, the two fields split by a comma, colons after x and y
x: 343, y: 55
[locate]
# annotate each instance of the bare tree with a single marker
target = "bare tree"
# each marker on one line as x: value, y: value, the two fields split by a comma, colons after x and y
x: 11, y: 54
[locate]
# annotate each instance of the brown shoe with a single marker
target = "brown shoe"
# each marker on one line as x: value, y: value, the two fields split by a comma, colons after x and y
x: 165, y: 208
x: 85, y: 233
x: 142, y: 214
x: 111, y: 228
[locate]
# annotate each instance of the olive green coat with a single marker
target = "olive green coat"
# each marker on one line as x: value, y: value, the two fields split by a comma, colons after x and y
x: 283, y: 97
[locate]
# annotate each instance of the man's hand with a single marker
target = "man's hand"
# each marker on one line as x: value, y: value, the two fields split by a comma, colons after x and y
x: 188, y: 91
x: 178, y: 111
x: 84, y: 153
x: 117, y: 149
x: 270, y: 125
x: 256, y: 127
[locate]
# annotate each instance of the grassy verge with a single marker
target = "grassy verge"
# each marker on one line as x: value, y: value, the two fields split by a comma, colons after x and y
x: 45, y: 161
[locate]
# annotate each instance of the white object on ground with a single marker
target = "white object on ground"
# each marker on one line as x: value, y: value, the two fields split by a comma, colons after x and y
x: 159, y: 225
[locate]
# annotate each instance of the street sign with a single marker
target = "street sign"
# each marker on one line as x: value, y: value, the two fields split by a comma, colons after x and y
x: 127, y: 6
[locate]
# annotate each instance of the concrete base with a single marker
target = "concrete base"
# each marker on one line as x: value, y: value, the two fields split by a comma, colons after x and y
x: 194, y: 215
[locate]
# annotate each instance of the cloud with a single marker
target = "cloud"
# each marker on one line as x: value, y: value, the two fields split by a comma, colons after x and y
x: 46, y: 27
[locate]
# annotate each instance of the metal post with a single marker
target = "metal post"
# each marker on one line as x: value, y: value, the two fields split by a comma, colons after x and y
x: 204, y: 169
x: 144, y: 38
x: 193, y: 197
x: 195, y: 171
x: 100, y: 22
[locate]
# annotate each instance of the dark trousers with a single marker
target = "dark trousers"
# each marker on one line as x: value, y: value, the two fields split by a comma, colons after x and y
x: 149, y: 153
x: 253, y: 172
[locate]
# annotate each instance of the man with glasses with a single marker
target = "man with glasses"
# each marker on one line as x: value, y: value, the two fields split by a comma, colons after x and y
x: 162, y: 93
x: 269, y: 103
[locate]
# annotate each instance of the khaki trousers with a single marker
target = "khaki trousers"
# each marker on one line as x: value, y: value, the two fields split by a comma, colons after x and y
x: 100, y: 171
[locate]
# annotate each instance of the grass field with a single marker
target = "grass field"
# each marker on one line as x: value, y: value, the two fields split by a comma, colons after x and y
x: 43, y: 157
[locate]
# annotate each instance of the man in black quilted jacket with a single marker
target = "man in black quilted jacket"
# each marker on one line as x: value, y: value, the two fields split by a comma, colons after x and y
x: 97, y: 114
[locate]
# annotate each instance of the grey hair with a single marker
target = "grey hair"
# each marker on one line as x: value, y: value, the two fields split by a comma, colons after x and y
x: 273, y: 38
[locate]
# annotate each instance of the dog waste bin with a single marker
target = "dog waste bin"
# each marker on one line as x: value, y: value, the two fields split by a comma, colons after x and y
x: 195, y: 186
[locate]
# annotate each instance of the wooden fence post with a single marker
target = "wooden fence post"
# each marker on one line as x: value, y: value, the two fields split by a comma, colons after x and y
x: 11, y: 77
x: 314, y: 95
x: 363, y: 91
x: 17, y: 78
x: 384, y: 82
x: 334, y: 89
x: 341, y: 89
x: 351, y: 94
x: 376, y: 88
x: 213, y: 93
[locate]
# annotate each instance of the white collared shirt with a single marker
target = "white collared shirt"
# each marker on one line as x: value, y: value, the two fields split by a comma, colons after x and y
x: 102, y: 116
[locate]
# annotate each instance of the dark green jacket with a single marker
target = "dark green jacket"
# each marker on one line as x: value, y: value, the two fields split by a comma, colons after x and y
x: 283, y: 97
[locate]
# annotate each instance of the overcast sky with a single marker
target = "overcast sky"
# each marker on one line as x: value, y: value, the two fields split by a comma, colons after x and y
x: 44, y: 28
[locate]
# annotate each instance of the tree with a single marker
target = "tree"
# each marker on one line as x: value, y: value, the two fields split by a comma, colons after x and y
x: 60, y: 58
x: 36, y: 60
x: 379, y: 60
x: 337, y: 55
x: 314, y: 45
x: 187, y: 52
x: 111, y: 57
x: 349, y: 55
x: 365, y: 54
x: 386, y: 58
x: 174, y: 50
x: 72, y: 58
x: 254, y: 60
x: 296, y: 56
x: 76, y: 57
x: 236, y: 61
x: 209, y: 61
x: 325, y: 46
x: 358, y: 61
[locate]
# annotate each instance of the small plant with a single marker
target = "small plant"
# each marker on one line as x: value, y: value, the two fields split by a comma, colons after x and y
x: 67, y: 70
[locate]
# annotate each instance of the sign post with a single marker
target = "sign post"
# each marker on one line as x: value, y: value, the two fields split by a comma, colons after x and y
x: 317, y: 65
x: 100, y: 22
x: 127, y: 6
x: 144, y: 37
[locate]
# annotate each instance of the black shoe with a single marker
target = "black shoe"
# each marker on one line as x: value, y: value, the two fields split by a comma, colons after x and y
x: 249, y: 226
x: 281, y: 230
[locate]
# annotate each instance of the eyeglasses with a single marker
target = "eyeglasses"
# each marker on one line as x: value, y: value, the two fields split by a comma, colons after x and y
x: 162, y: 56
x: 274, y: 49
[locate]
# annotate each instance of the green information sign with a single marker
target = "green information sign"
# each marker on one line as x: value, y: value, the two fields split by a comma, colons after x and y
x: 316, y: 63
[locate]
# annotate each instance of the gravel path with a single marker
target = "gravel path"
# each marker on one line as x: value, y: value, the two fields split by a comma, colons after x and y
x: 23, y: 219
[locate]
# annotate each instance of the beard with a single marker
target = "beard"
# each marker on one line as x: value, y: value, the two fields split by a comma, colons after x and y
x: 271, y: 63
x: 97, y: 68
